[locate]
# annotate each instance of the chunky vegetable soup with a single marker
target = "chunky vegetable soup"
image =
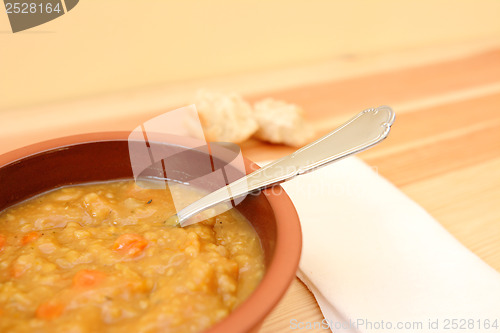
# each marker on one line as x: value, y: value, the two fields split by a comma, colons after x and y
x: 100, y: 257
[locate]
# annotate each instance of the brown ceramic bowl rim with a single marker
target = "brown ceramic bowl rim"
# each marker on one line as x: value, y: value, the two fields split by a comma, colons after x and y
x: 280, y: 273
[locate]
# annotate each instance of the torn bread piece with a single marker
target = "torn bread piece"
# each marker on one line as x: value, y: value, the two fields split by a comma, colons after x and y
x: 281, y: 122
x: 225, y: 117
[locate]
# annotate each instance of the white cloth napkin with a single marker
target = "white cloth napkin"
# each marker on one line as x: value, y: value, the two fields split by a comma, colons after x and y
x: 377, y: 262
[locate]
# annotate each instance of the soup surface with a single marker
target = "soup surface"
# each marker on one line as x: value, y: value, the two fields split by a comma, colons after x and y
x: 101, y: 257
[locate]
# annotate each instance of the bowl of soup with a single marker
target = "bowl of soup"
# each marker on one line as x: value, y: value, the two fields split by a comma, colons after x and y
x: 85, y: 247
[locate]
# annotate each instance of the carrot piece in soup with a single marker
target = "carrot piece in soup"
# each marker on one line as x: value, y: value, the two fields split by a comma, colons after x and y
x: 88, y: 278
x: 49, y: 310
x: 3, y: 240
x: 30, y: 237
x: 130, y: 245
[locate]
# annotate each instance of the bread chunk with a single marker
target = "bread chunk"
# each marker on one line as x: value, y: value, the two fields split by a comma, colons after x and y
x: 225, y: 117
x: 281, y: 122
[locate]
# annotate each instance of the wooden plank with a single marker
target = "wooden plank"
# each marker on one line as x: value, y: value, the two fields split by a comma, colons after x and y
x: 441, y: 154
x: 433, y: 159
x: 344, y: 97
x: 439, y: 123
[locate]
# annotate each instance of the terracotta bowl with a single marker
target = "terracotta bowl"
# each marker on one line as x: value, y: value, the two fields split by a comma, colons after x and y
x: 105, y: 156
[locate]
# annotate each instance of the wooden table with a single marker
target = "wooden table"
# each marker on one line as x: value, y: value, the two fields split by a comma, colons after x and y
x: 443, y: 151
